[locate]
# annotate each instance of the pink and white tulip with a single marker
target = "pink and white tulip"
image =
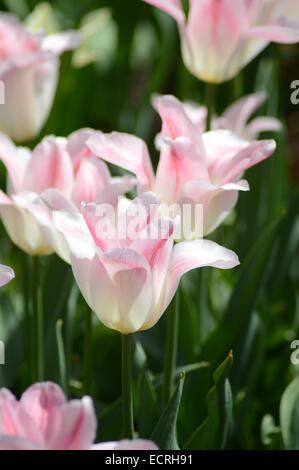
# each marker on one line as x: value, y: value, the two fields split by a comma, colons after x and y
x: 70, y: 170
x: 220, y: 37
x: 236, y: 118
x: 43, y: 420
x: 126, y: 264
x: 194, y: 168
x: 6, y: 274
x: 29, y: 68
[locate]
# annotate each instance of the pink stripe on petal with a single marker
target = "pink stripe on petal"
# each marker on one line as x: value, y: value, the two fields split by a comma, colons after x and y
x: 100, y: 225
x: 39, y: 400
x: 49, y: 167
x: 91, y: 179
x: 77, y: 426
x: 176, y: 122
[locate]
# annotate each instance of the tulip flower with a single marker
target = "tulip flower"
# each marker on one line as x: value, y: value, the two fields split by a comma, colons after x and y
x: 6, y: 275
x: 220, y: 37
x: 29, y: 68
x: 194, y: 168
x: 235, y: 118
x: 43, y: 420
x: 126, y: 264
x: 72, y: 172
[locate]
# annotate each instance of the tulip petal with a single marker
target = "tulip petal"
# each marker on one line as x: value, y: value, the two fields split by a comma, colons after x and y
x: 197, y: 114
x: 30, y: 86
x: 17, y: 443
x: 97, y: 288
x: 71, y: 224
x: 77, y: 148
x: 175, y: 121
x: 22, y: 227
x: 179, y: 162
x: 49, y: 167
x: 262, y: 124
x: 60, y: 42
x: 15, y: 421
x: 49, y: 201
x: 118, y: 187
x: 6, y: 274
x: 226, y: 170
x: 77, y: 426
x: 149, y: 241
x: 172, y: 7
x: 222, y: 145
x: 39, y: 400
x: 14, y: 161
x: 126, y: 151
x: 100, y: 225
x: 214, y: 32
x: 133, y: 216
x: 195, y: 254
x: 237, y: 115
x: 217, y: 201
x: 90, y: 181
x: 282, y: 30
x: 132, y: 281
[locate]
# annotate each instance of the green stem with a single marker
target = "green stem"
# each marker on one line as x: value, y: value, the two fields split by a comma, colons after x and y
x: 127, y: 401
x: 37, y: 320
x: 210, y: 102
x: 61, y: 357
x: 28, y: 323
x: 171, y: 348
x: 88, y: 351
x: 238, y: 86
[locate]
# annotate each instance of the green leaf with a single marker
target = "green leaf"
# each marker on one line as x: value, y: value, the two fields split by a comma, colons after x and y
x: 289, y: 415
x: 214, y: 431
x: 42, y: 18
x: 57, y: 277
x: 110, y: 422
x: 165, y: 435
x: 146, y: 405
x: 244, y: 298
x: 158, y: 379
x: 18, y: 7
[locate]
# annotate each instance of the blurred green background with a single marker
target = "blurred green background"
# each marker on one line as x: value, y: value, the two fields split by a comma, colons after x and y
x: 129, y: 51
